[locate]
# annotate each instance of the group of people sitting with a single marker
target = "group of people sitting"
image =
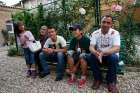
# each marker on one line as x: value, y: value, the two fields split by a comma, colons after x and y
x: 101, y: 48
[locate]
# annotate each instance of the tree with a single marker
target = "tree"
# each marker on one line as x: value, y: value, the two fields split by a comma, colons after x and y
x: 2, y: 3
x: 59, y: 14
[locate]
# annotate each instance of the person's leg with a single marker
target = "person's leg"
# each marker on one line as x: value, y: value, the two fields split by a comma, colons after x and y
x: 43, y: 60
x: 60, y: 66
x: 33, y: 70
x: 94, y: 65
x: 27, y: 59
x: 83, y: 66
x: 71, y: 67
x: 38, y: 64
x: 70, y: 61
x: 112, y: 61
x: 32, y: 62
x: 111, y: 77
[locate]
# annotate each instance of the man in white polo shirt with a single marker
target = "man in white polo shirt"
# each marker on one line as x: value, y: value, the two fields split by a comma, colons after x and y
x: 104, y: 48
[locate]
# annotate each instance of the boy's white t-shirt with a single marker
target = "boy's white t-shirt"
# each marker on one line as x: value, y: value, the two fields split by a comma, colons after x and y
x: 105, y: 42
x: 60, y: 42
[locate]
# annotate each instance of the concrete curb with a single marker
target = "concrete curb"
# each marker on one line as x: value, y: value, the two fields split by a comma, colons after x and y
x: 132, y: 69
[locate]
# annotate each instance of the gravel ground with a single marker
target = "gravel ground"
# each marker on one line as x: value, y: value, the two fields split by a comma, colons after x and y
x: 13, y: 80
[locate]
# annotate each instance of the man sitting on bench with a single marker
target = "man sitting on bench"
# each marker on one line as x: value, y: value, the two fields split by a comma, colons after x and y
x: 54, y: 50
x: 78, y: 49
x: 104, y: 47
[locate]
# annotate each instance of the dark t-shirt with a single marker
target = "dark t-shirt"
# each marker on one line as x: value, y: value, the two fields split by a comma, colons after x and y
x: 83, y: 43
x: 43, y: 39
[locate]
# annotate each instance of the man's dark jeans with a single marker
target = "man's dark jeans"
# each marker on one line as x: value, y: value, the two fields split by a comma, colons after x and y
x: 111, y: 61
x: 58, y: 57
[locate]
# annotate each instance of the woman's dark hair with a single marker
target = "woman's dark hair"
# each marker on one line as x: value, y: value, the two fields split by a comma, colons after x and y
x: 16, y: 27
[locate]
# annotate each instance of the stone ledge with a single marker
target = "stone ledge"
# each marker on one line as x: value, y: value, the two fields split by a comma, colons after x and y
x: 132, y: 69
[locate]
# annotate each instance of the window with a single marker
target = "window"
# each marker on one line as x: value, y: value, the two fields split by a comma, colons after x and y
x: 9, y: 27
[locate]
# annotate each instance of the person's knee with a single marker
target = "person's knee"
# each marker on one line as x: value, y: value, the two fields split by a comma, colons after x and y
x: 60, y: 57
x: 91, y: 58
x: 41, y: 55
x: 60, y: 54
x: 83, y: 61
x: 113, y: 58
x: 70, y: 59
x: 82, y: 56
x: 70, y: 53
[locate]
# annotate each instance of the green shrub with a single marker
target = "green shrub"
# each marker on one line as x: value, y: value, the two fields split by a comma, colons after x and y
x: 5, y: 36
x: 128, y: 29
x: 12, y: 51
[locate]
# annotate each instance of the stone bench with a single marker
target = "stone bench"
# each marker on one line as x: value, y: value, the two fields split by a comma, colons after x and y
x: 120, y: 67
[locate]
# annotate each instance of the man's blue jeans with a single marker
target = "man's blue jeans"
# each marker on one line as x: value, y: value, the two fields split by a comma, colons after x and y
x: 110, y: 61
x: 58, y: 57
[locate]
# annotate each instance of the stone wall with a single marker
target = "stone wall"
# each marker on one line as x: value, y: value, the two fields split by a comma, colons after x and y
x: 5, y: 14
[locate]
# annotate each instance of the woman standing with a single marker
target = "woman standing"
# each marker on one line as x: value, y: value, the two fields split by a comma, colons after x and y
x: 25, y: 38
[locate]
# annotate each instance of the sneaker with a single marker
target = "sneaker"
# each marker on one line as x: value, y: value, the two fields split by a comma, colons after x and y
x: 81, y: 83
x: 71, y: 81
x: 112, y: 88
x: 33, y: 74
x: 28, y: 73
x: 58, y: 78
x: 96, y: 84
x: 42, y: 75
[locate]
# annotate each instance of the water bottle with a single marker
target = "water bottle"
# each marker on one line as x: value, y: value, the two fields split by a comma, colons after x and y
x: 121, y: 67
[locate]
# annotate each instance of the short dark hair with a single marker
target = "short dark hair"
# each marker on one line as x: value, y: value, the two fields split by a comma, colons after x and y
x: 75, y: 27
x: 52, y: 27
x: 108, y: 16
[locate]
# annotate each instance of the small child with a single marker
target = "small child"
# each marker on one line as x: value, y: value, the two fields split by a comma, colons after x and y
x: 25, y: 37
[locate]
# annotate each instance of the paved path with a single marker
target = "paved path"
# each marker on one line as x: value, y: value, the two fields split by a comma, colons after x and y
x: 13, y: 80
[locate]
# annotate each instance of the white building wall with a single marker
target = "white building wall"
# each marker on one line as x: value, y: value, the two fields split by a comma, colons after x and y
x: 34, y: 3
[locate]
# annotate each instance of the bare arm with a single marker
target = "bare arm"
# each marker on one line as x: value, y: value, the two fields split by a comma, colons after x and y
x: 93, y: 50
x: 112, y: 50
x: 64, y: 50
x: 51, y: 50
